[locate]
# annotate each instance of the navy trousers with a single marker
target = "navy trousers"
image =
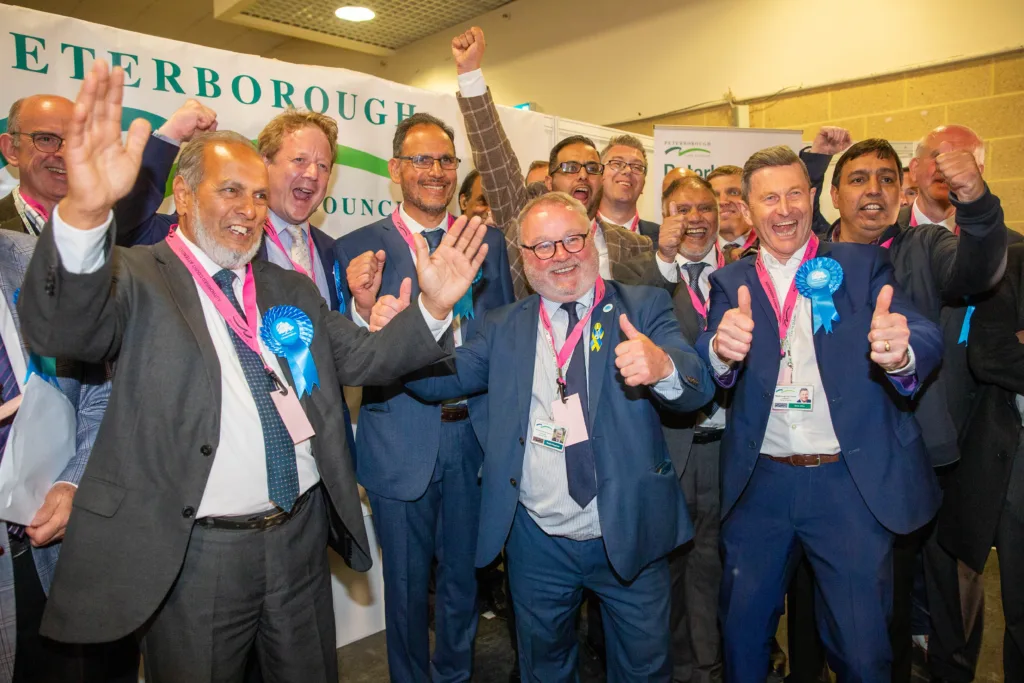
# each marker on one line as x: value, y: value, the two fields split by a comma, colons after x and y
x: 787, y: 512
x: 547, y: 576
x: 441, y: 523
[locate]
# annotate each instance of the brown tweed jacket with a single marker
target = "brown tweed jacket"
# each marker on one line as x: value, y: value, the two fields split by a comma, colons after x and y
x: 505, y: 189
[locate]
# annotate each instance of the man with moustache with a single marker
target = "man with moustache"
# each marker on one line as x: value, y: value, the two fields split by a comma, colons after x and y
x: 203, y: 520
x: 599, y: 359
x: 574, y: 167
x: 419, y: 461
x: 805, y: 314
x: 625, y: 173
x: 34, y: 144
x: 938, y: 270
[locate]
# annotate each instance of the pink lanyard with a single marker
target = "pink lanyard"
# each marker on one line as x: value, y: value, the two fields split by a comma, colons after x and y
x: 271, y: 231
x: 783, y: 315
x: 634, y: 225
x: 699, y: 306
x: 245, y: 327
x: 36, y: 206
x: 913, y: 224
x: 751, y: 238
x: 563, y: 354
x: 403, y: 229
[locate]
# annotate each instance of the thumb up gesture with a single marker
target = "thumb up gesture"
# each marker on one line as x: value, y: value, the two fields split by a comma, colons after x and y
x: 961, y: 172
x: 387, y: 307
x: 639, y: 360
x: 735, y: 332
x: 889, y: 335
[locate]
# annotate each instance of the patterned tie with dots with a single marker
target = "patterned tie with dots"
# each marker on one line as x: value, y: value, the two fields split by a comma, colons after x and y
x: 282, y: 472
x: 300, y: 248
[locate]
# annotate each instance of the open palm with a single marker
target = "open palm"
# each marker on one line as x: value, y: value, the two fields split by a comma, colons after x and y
x: 445, y: 275
x: 101, y: 169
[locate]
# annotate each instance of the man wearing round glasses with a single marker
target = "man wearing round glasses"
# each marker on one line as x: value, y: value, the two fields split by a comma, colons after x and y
x: 420, y: 461
x: 34, y: 144
x: 625, y: 173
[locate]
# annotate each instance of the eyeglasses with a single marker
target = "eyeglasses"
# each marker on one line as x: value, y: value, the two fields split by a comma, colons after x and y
x: 618, y: 166
x: 425, y: 162
x: 545, y: 250
x: 47, y: 143
x: 592, y: 167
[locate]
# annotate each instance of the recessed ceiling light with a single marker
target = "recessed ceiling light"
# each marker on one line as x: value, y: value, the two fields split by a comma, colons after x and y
x: 349, y: 13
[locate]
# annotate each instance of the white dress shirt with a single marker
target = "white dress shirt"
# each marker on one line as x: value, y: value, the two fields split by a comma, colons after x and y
x: 795, y: 432
x: 739, y: 241
x: 323, y: 279
x: 921, y: 219
x: 237, y: 484
x: 544, y: 485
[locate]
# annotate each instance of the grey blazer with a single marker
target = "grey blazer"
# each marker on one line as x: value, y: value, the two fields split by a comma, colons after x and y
x: 135, y: 507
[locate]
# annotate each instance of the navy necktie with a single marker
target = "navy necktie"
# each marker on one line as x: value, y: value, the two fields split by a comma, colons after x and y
x: 282, y: 471
x: 579, y: 458
x: 693, y: 271
x: 433, y: 238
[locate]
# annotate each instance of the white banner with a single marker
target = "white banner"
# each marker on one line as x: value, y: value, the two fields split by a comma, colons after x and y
x: 703, y: 149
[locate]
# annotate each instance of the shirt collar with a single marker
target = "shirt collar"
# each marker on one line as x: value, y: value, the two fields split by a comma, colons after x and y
x: 739, y: 241
x: 586, y: 301
x: 792, y: 264
x: 205, y: 261
x: 710, y: 258
x: 281, y: 225
x: 415, y: 227
x: 921, y: 219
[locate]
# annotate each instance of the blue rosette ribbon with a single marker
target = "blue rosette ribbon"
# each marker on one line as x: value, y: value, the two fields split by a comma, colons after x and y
x: 464, y: 306
x: 288, y: 332
x: 818, y: 279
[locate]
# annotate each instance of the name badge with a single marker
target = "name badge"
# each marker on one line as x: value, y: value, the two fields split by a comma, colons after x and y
x: 793, y: 397
x: 570, y: 415
x: 549, y: 435
x: 293, y: 416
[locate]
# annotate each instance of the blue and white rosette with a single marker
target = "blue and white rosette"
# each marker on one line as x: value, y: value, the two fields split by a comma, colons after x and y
x: 818, y: 279
x: 288, y: 332
x: 464, y: 306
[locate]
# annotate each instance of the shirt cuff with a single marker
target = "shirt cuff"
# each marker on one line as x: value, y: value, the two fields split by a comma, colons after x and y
x: 669, y: 271
x: 720, y: 366
x: 169, y: 140
x: 437, y: 327
x: 358, y: 319
x: 62, y: 481
x: 910, y: 369
x: 471, y: 84
x: 81, y: 251
x: 671, y: 387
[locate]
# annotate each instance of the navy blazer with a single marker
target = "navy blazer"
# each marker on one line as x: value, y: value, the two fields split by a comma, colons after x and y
x: 879, y: 436
x: 398, y: 435
x: 138, y: 222
x: 643, y: 511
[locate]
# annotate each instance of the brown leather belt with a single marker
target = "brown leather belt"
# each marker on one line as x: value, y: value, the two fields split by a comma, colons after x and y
x: 454, y: 413
x: 263, y: 521
x: 809, y: 460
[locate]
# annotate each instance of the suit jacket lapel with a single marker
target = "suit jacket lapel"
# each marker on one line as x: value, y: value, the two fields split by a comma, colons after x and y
x: 185, y: 295
x: 399, y: 257
x: 600, y: 362
x: 686, y: 314
x: 613, y: 242
x: 525, y: 351
x: 757, y: 294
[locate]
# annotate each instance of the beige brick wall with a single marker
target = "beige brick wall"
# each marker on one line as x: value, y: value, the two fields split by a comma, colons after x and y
x: 986, y: 94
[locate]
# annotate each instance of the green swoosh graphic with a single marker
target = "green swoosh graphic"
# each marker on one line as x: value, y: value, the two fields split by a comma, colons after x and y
x: 694, y: 149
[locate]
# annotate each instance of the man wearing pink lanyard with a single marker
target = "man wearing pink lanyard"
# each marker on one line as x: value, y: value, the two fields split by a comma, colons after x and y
x: 419, y: 461
x: 34, y: 144
x: 803, y: 478
x: 221, y: 471
x: 625, y: 173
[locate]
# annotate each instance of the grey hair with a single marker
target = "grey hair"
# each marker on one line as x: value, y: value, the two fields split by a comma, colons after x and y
x: 779, y: 155
x: 14, y: 119
x: 557, y: 198
x: 190, y: 162
x: 625, y: 141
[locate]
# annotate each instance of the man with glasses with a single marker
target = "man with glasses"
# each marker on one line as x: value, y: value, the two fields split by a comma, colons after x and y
x: 574, y: 167
x: 34, y: 144
x: 625, y: 172
x: 419, y: 461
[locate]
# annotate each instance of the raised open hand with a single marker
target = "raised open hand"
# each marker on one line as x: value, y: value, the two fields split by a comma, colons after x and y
x: 445, y: 275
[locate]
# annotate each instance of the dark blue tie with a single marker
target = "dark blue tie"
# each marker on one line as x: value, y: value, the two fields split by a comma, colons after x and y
x: 433, y: 238
x: 579, y: 458
x: 282, y: 472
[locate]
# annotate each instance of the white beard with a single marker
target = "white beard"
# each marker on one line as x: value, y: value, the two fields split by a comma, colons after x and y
x: 219, y: 254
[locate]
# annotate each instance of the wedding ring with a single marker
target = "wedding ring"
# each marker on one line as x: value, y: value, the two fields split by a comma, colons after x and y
x: 887, y: 349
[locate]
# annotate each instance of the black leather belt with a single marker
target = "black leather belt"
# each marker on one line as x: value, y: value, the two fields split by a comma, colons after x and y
x: 702, y: 436
x: 265, y: 520
x: 454, y: 413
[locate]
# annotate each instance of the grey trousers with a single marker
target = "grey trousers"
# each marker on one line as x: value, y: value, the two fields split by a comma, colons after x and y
x: 265, y: 593
x: 696, y: 573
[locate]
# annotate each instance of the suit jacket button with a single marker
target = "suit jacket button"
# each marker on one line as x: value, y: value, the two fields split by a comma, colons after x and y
x: 1002, y: 455
x: 513, y: 482
x: 752, y: 444
x: 188, y: 512
x: 521, y: 441
x: 206, y: 449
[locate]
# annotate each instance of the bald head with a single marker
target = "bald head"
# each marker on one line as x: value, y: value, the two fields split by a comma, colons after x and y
x: 934, y: 192
x: 675, y: 174
x: 33, y: 144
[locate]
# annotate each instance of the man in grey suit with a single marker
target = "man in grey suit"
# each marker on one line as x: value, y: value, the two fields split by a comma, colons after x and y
x: 204, y: 520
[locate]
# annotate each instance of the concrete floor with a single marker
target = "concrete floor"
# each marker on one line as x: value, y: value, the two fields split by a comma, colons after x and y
x: 366, y: 660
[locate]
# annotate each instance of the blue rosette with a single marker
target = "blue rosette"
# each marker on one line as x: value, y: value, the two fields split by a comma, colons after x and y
x: 464, y: 306
x: 287, y: 331
x: 818, y: 279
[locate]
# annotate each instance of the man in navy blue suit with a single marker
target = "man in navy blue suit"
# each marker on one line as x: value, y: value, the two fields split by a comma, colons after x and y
x: 578, y: 484
x: 834, y: 479
x: 420, y: 461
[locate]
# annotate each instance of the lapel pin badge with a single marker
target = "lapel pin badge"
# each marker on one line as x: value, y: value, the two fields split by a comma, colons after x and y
x: 596, y: 337
x: 607, y: 307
